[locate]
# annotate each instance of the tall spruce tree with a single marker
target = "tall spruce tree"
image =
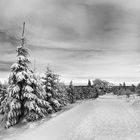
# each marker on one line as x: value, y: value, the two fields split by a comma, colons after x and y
x: 71, y: 93
x: 89, y: 83
x: 25, y: 100
x: 124, y: 86
x: 50, y: 82
x: 62, y: 94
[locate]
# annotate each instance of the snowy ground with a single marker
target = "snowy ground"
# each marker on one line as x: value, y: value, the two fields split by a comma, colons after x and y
x: 20, y: 128
x: 107, y: 118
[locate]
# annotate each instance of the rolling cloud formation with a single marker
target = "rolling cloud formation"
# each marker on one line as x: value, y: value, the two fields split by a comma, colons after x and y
x: 80, y: 39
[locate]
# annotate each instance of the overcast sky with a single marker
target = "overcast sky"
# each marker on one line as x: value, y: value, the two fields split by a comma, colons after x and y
x: 79, y: 39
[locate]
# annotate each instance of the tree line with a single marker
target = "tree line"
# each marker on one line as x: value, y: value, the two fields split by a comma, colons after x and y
x: 123, y: 89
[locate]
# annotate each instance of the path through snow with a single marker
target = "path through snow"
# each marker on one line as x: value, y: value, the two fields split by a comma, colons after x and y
x: 107, y: 118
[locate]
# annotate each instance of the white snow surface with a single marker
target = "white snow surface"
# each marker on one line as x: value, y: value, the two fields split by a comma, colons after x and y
x: 107, y: 118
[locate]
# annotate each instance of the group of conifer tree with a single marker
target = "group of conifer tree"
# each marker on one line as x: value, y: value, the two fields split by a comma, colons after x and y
x: 29, y: 98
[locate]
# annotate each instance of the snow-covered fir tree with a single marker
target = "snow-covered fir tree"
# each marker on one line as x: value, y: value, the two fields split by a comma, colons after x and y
x: 50, y: 81
x: 71, y: 93
x: 62, y: 94
x: 89, y: 83
x: 26, y: 98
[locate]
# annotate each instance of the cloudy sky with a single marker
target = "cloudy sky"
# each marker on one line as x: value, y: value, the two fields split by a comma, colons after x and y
x: 79, y: 39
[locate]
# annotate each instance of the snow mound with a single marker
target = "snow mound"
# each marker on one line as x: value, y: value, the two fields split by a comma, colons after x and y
x: 136, y: 103
x: 133, y: 99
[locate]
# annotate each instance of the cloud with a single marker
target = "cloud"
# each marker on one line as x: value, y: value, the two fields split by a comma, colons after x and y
x: 7, y: 38
x: 94, y: 38
x: 5, y: 66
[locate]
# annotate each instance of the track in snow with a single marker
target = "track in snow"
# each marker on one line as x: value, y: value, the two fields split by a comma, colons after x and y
x: 106, y: 118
